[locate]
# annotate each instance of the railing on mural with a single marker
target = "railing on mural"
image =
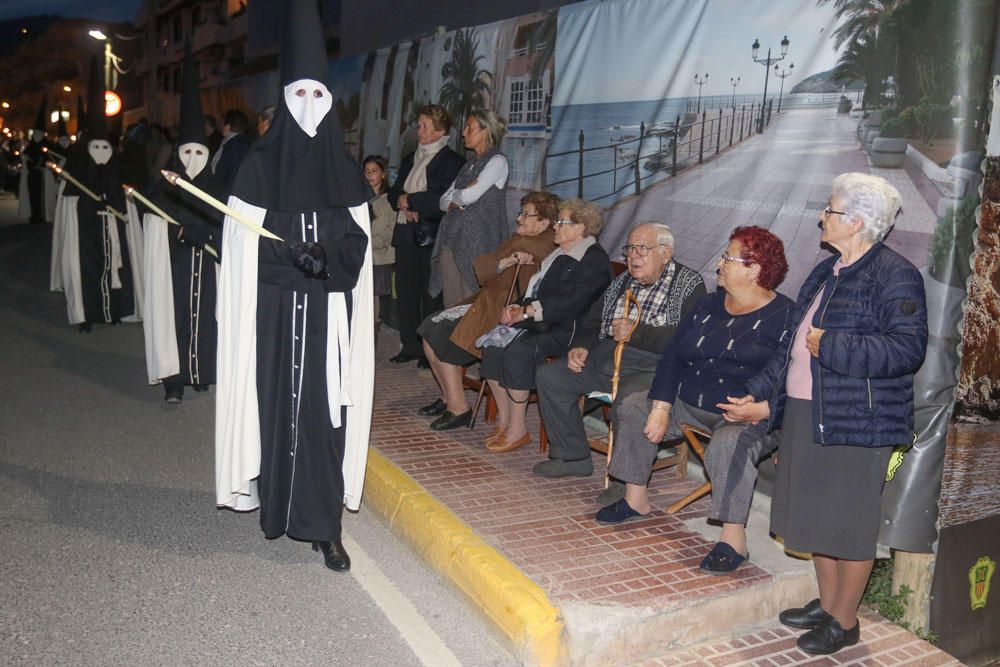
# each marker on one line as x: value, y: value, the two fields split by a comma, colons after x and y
x: 661, y: 147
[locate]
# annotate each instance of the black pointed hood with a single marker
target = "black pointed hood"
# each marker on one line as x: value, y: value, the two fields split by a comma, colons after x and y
x: 40, y: 119
x: 97, y: 124
x: 192, y: 120
x: 81, y: 115
x: 286, y: 169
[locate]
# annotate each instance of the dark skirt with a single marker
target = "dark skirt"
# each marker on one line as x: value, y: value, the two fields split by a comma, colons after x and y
x: 514, y: 366
x: 827, y: 499
x: 382, y: 279
x: 438, y: 336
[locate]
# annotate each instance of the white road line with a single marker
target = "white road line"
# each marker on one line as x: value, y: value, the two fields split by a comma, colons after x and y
x: 428, y: 647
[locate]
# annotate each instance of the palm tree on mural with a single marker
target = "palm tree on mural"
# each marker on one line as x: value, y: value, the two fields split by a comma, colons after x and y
x: 466, y: 86
x: 542, y: 45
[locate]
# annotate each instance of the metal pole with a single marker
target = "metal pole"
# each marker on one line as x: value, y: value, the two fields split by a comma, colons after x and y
x: 638, y: 154
x: 718, y: 134
x: 767, y: 73
x: 579, y: 182
x: 781, y: 91
x: 743, y: 113
x: 732, y: 126
x: 701, y: 142
x: 677, y: 136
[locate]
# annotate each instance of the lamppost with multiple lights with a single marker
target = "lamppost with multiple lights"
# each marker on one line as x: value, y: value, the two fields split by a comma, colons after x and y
x: 700, y: 81
x: 734, y: 82
x: 783, y: 75
x: 767, y: 62
x: 111, y: 61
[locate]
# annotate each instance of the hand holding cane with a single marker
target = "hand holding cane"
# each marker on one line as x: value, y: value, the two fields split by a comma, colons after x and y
x: 65, y: 175
x: 135, y: 194
x: 630, y: 300
x: 482, y: 381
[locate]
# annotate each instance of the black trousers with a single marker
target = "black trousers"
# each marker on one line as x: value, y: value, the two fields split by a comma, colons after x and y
x: 413, y: 274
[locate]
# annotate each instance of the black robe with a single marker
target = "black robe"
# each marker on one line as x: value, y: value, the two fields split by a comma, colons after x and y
x: 34, y: 165
x: 194, y: 275
x: 102, y: 302
x: 301, y: 478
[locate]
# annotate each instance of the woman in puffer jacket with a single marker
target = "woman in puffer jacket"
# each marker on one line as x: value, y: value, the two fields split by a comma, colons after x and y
x: 841, y: 390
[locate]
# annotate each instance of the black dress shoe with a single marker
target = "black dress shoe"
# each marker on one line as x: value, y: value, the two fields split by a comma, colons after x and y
x: 84, y: 327
x: 200, y: 387
x: 807, y: 617
x: 423, y: 363
x: 828, y: 637
x: 404, y: 357
x: 433, y: 409
x: 450, y: 420
x: 334, y: 555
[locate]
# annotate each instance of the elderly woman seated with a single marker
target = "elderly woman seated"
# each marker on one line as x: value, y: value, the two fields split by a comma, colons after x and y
x: 726, y: 339
x: 450, y: 335
x: 542, y: 324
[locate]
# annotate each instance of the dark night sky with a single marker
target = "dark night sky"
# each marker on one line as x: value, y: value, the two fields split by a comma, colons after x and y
x: 103, y: 10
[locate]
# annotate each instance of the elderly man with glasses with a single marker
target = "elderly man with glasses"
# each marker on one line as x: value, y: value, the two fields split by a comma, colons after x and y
x: 665, y: 291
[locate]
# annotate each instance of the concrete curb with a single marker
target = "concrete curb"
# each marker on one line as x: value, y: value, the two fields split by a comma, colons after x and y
x: 518, y: 606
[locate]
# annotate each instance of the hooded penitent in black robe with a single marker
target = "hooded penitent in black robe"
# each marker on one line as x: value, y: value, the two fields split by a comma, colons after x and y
x: 180, y: 325
x: 310, y: 379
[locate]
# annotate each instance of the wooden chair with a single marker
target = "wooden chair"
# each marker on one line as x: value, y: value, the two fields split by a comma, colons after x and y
x: 475, y: 384
x: 693, y: 435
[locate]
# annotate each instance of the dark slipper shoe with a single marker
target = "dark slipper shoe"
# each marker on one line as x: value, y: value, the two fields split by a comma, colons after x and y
x: 619, y: 512
x: 722, y: 559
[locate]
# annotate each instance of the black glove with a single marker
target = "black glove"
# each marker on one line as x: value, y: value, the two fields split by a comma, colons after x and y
x: 309, y: 258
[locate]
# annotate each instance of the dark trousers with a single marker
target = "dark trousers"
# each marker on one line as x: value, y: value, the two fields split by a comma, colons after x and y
x: 413, y: 274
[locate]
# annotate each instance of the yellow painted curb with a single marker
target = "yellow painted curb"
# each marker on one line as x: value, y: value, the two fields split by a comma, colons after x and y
x: 516, y: 604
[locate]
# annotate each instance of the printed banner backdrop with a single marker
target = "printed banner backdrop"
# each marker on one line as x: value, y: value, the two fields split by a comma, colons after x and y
x: 708, y: 115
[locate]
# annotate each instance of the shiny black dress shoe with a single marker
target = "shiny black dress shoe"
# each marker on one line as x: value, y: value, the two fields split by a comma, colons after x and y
x: 404, y: 357
x: 807, y: 617
x: 334, y: 555
x: 828, y: 637
x: 450, y: 420
x: 433, y: 409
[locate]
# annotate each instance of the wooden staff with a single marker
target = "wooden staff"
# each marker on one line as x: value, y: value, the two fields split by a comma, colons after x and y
x: 482, y: 380
x: 133, y: 193
x: 619, y: 348
x: 62, y: 173
x: 175, y: 179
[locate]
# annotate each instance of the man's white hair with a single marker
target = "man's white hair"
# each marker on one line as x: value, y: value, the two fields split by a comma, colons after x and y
x: 663, y: 233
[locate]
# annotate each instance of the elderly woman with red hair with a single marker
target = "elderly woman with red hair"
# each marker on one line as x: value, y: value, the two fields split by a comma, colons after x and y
x: 726, y: 339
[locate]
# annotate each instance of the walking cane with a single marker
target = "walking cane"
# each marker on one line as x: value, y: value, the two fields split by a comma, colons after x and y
x: 619, y: 348
x: 482, y: 380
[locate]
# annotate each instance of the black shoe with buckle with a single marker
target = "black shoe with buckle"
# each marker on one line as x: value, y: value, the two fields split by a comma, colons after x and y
x: 829, y: 637
x: 334, y: 555
x: 807, y: 617
x: 433, y: 409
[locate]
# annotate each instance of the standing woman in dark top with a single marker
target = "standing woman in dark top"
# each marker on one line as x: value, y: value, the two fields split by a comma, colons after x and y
x: 728, y: 337
x: 475, y: 220
x: 424, y: 175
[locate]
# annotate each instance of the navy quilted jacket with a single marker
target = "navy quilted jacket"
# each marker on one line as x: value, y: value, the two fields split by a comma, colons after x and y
x: 875, y: 320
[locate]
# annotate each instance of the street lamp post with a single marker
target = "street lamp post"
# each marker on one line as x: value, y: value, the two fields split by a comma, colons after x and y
x: 111, y: 61
x: 767, y: 63
x: 700, y: 82
x: 783, y: 75
x: 734, y: 82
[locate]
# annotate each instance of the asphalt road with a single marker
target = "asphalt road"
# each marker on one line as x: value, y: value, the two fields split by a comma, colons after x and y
x: 111, y: 548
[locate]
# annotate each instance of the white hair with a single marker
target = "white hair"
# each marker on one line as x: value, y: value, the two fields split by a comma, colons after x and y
x: 663, y: 233
x: 870, y: 199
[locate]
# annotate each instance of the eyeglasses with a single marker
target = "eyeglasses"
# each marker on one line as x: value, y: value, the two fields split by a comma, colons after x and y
x: 827, y: 212
x: 560, y: 223
x: 726, y: 259
x: 640, y: 250
x: 524, y: 214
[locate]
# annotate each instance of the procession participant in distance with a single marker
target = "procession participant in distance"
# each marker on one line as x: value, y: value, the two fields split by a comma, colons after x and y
x: 31, y: 194
x: 181, y: 277
x: 296, y: 371
x: 63, y: 147
x: 97, y: 271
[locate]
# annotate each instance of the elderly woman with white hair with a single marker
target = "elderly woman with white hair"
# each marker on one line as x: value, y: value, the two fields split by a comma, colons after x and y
x: 841, y: 390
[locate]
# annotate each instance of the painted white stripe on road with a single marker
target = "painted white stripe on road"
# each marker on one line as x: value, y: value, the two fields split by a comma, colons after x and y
x: 422, y: 640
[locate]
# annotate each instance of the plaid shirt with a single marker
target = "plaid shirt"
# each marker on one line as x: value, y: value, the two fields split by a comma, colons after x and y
x: 660, y: 305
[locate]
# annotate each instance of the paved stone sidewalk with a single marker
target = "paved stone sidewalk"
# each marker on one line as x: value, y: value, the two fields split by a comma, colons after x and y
x: 779, y: 180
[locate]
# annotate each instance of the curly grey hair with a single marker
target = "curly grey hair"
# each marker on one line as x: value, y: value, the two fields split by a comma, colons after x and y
x: 663, y: 233
x: 870, y: 199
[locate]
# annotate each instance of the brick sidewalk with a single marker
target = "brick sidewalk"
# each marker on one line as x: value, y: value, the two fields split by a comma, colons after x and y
x: 635, y: 587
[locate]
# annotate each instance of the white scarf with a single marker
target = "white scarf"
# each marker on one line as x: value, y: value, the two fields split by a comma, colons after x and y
x: 416, y: 180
